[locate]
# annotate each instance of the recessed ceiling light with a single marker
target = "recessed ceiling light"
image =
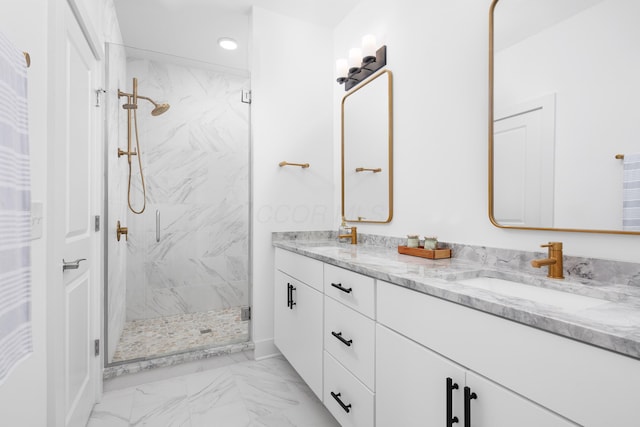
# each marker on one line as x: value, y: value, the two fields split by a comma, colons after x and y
x: 227, y: 43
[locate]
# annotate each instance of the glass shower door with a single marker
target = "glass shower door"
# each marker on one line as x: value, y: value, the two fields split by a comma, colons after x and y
x: 187, y: 254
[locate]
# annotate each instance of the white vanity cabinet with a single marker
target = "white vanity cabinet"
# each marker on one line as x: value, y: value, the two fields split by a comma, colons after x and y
x: 521, y: 375
x: 383, y: 355
x: 298, y: 314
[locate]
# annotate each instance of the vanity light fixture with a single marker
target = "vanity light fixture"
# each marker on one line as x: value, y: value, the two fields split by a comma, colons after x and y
x: 227, y: 43
x: 362, y: 63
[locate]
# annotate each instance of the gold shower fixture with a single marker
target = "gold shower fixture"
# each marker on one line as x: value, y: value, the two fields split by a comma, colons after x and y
x: 132, y: 100
x: 132, y: 106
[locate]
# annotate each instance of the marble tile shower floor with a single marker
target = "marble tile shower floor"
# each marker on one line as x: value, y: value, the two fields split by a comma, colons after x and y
x: 267, y: 393
x: 161, y: 336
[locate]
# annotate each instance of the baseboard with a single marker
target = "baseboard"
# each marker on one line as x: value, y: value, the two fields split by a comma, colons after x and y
x: 265, y: 349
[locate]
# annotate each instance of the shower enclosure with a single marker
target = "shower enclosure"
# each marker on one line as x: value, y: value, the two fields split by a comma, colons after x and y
x: 178, y: 280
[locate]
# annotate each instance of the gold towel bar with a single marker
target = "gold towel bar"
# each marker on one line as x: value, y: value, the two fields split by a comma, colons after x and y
x: 302, y: 165
x: 369, y: 170
x: 620, y: 156
x: 27, y: 58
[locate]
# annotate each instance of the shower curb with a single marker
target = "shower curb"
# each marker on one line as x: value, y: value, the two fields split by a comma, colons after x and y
x: 133, y: 367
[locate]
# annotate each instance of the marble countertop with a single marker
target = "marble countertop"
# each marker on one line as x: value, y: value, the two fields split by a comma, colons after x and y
x: 612, y: 324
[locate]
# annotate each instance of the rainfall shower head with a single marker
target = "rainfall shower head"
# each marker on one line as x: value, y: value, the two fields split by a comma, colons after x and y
x: 159, y: 109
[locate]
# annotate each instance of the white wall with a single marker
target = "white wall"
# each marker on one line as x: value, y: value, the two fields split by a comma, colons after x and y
x: 438, y: 53
x: 23, y: 397
x: 291, y: 83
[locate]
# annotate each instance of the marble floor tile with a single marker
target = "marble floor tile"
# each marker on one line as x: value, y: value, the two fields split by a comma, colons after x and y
x: 114, y: 410
x: 232, y: 415
x: 171, y: 413
x: 267, y: 393
x: 159, y: 392
x: 211, y: 389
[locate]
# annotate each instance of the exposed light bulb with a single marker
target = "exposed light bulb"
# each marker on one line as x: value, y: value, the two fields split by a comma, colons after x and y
x: 342, y: 68
x: 369, y: 48
x: 355, y: 59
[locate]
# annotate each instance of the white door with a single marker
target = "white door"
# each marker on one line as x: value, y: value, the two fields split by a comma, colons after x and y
x: 72, y: 234
x: 523, y: 155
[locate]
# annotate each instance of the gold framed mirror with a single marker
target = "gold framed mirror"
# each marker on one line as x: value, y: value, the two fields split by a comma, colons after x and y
x: 367, y: 151
x: 563, y: 113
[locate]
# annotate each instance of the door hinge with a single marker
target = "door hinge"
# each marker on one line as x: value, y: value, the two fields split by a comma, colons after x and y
x: 245, y: 313
x: 98, y: 93
x: 96, y: 348
x: 96, y: 223
x: 246, y: 96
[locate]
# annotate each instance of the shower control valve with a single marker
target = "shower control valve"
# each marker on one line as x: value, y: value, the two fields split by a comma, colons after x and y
x: 122, y: 230
x: 126, y: 153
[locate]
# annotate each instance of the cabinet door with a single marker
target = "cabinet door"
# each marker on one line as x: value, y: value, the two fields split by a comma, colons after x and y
x: 411, y: 384
x: 298, y: 328
x: 495, y: 406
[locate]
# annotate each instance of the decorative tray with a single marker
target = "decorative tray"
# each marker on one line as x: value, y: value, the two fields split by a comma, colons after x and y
x: 425, y: 253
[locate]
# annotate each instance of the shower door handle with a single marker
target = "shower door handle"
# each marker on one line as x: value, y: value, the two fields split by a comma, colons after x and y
x: 157, y: 225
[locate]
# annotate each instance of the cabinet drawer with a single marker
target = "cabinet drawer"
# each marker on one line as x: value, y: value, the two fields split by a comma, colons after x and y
x: 356, y: 398
x: 352, y: 289
x: 350, y: 338
x: 307, y: 270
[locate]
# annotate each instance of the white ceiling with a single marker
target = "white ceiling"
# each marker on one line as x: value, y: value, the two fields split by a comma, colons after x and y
x: 190, y: 28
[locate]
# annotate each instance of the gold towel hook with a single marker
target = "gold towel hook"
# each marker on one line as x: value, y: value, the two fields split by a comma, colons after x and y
x: 620, y: 156
x: 27, y: 58
x: 302, y: 165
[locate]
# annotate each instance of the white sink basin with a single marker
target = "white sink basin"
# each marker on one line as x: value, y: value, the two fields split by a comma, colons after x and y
x: 560, y: 299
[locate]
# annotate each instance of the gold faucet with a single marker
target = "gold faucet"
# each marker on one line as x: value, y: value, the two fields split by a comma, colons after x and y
x: 554, y: 261
x: 353, y: 235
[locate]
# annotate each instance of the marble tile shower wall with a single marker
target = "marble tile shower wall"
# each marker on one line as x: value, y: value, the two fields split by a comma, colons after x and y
x: 196, y: 166
x: 116, y: 132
